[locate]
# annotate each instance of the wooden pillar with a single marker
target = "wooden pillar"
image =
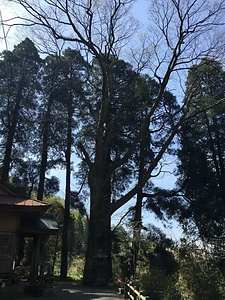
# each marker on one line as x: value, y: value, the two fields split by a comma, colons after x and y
x: 35, y: 257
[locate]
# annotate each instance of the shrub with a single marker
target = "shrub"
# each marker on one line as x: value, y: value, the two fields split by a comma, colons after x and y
x: 160, y: 286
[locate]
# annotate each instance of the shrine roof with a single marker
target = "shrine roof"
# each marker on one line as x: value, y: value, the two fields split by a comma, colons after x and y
x: 10, y: 198
x: 44, y: 225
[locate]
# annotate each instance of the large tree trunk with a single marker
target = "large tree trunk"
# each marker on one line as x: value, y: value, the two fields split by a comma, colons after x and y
x: 44, y: 153
x: 98, y: 266
x: 137, y: 231
x: 10, y: 138
x: 64, y: 252
x: 43, y: 167
x: 7, y: 156
x: 138, y: 207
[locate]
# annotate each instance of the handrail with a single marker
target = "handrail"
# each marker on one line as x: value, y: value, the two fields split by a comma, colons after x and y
x: 133, y: 294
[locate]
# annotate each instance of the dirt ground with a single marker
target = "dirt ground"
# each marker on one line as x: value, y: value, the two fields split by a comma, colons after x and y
x: 60, y: 291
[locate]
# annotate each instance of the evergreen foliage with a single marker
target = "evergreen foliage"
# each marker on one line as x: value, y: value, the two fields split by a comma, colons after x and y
x: 201, y: 167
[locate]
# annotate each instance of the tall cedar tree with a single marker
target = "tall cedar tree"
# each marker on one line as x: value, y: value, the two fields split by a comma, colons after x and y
x: 70, y: 93
x: 201, y: 168
x: 18, y: 87
x: 51, y: 122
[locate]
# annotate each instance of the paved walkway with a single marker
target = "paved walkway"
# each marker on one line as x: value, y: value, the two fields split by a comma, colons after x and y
x: 64, y: 291
x: 79, y: 292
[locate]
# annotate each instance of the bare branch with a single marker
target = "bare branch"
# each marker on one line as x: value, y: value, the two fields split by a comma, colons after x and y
x: 101, y: 28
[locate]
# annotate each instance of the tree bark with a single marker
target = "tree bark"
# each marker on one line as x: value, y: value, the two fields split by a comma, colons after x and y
x: 138, y: 206
x: 64, y: 252
x: 98, y: 269
x: 44, y: 153
x: 10, y: 137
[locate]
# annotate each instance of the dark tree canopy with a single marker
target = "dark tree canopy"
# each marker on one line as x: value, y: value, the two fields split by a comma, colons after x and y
x: 201, y: 168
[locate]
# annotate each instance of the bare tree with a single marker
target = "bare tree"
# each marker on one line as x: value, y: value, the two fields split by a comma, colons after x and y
x: 181, y: 33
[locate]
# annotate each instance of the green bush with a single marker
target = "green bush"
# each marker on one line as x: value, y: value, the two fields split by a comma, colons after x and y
x: 76, y: 269
x: 200, y: 277
x: 159, y: 286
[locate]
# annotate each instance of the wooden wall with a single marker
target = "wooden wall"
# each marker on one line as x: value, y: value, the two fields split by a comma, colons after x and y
x: 9, y: 221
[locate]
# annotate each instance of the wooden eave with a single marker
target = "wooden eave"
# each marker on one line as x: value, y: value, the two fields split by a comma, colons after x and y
x: 44, y: 225
x: 22, y: 205
x: 11, y: 200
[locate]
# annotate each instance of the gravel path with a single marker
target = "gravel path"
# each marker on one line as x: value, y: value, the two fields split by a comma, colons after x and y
x: 78, y: 292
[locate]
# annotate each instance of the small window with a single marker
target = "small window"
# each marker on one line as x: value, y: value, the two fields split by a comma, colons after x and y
x: 6, y: 243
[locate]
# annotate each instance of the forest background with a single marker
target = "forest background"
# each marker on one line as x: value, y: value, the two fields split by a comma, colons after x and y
x: 194, y: 45
x: 165, y: 179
